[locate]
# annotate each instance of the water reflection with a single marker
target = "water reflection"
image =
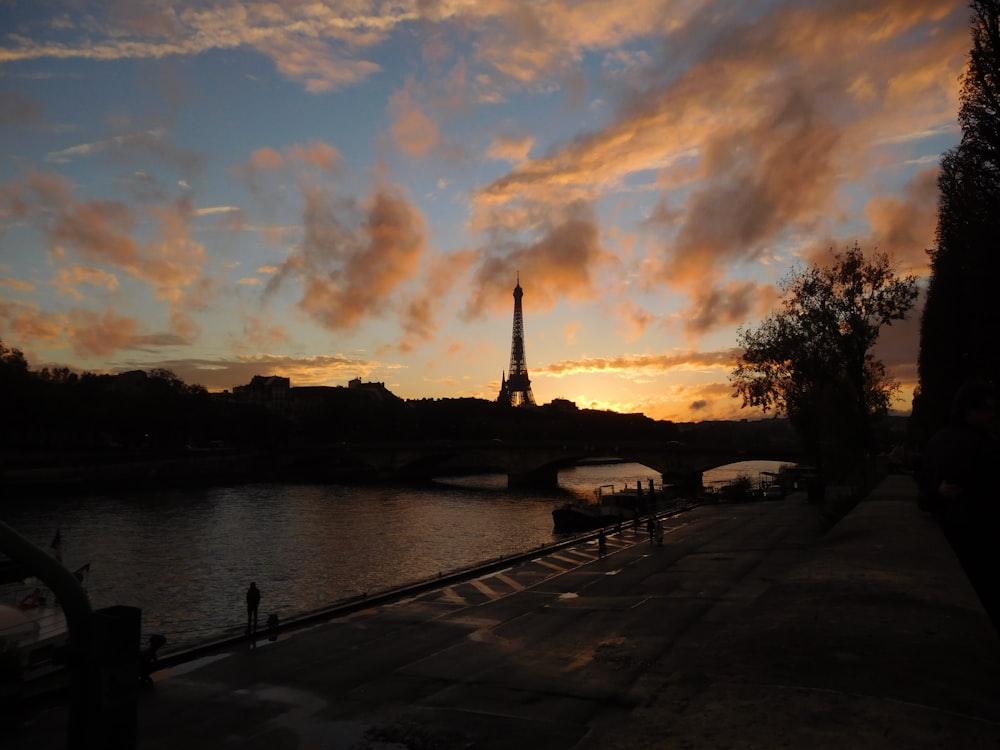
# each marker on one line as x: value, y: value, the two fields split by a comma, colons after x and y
x: 186, y: 558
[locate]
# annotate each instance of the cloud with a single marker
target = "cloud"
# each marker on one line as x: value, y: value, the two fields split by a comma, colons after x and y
x: 727, y: 304
x: 636, y: 319
x: 413, y: 131
x: 87, y: 332
x: 173, y: 260
x: 751, y: 134
x: 100, y: 230
x: 903, y: 225
x: 353, y: 258
x: 313, y: 155
x: 560, y: 264
x: 103, y: 233
x: 259, y: 333
x: 510, y: 148
x: 99, y: 335
x: 312, y: 43
x: 128, y: 147
x: 17, y: 284
x: 35, y: 196
x: 66, y: 155
x: 18, y: 110
x: 31, y: 324
x: 420, y: 314
x: 212, y: 210
x: 266, y: 158
x: 527, y: 42
x: 68, y: 279
x: 690, y: 360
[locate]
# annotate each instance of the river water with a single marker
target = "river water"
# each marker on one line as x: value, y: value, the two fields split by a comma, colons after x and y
x: 186, y: 557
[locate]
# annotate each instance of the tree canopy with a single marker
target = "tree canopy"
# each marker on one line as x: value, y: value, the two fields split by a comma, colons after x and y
x: 960, y: 317
x: 812, y: 358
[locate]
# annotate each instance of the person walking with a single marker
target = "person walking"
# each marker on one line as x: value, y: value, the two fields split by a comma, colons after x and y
x: 253, y: 602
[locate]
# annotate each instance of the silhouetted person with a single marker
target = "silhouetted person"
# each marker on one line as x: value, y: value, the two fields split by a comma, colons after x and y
x: 253, y: 602
x: 602, y: 543
x: 659, y: 532
x: 650, y: 528
x: 958, y: 486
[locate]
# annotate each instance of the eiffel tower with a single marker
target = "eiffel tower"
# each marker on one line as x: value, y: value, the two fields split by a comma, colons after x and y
x: 515, y: 389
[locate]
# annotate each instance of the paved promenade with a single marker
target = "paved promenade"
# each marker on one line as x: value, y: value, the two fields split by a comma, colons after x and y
x: 748, y: 628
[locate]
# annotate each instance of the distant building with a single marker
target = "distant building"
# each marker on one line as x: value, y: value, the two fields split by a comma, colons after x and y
x: 308, y: 400
x: 377, y: 391
x: 270, y: 391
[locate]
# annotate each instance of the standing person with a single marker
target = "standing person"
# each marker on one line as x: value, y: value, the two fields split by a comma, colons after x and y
x: 602, y: 543
x: 659, y: 532
x: 253, y: 602
x: 958, y: 486
x: 650, y: 528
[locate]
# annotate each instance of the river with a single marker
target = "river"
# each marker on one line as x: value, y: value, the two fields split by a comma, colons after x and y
x: 186, y: 557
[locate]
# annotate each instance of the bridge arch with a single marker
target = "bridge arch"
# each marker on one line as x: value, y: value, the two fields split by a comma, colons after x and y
x: 537, y: 463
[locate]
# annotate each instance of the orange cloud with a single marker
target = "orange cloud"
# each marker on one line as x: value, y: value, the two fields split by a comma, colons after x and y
x: 420, y: 315
x: 561, y: 264
x: 266, y: 158
x: 690, y: 360
x: 91, y: 334
x: 314, y: 154
x: 17, y: 284
x: 174, y: 260
x: 904, y: 226
x: 258, y: 334
x: 310, y: 43
x: 770, y: 151
x: 353, y: 258
x: 636, y: 319
x: 510, y: 148
x: 314, y: 62
x: 31, y: 324
x: 727, y: 304
x: 413, y: 131
x: 100, y: 230
x: 68, y: 279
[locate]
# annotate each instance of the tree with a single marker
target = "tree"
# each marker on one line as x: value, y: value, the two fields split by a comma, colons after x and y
x: 960, y: 317
x: 812, y: 359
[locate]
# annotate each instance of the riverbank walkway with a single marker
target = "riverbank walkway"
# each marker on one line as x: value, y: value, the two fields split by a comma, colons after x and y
x: 748, y: 628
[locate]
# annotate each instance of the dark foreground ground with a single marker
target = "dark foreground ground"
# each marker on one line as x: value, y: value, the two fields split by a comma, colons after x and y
x: 748, y: 628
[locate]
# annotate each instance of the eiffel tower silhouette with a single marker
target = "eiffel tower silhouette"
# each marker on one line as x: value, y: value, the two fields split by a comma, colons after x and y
x: 515, y: 388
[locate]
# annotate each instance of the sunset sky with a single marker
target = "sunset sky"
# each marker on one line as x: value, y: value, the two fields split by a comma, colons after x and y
x: 330, y: 190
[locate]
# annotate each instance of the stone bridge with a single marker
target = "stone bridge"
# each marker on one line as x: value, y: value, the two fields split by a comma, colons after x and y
x: 537, y: 463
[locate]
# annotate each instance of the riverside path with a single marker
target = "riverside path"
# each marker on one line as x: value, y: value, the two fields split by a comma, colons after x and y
x: 565, y: 650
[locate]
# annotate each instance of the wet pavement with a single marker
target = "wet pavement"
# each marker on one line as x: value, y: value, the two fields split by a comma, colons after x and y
x: 747, y: 628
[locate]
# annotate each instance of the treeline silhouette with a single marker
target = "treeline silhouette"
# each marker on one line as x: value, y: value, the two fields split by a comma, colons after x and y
x: 53, y: 411
x: 961, y: 315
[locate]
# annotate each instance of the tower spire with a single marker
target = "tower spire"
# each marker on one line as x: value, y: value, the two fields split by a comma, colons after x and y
x: 516, y: 389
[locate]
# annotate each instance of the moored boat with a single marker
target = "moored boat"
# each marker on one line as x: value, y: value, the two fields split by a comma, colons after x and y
x: 586, y: 516
x: 608, y: 509
x: 32, y: 625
